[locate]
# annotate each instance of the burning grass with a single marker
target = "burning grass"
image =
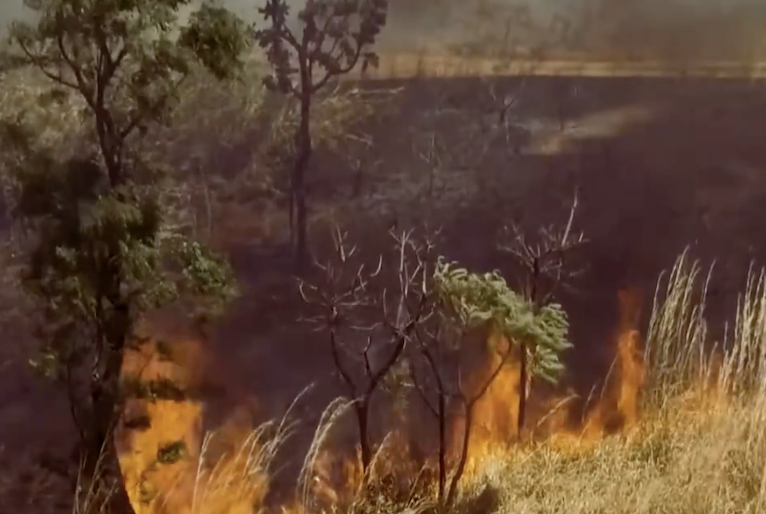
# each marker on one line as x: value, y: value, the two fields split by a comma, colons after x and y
x: 677, y: 428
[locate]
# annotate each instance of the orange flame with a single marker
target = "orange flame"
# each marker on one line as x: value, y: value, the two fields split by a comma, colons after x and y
x: 495, y: 422
x: 186, y: 484
x: 336, y: 477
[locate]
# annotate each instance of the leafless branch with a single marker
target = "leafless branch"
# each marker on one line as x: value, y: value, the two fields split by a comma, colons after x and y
x: 544, y: 258
x: 421, y: 389
x: 346, y: 297
x: 545, y: 269
x: 469, y: 400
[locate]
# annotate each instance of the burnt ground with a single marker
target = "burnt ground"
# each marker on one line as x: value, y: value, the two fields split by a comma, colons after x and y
x: 660, y: 164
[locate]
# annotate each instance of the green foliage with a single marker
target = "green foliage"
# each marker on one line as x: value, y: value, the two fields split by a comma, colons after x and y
x: 171, y: 453
x: 100, y: 235
x: 218, y: 38
x: 475, y: 300
x: 80, y: 223
x: 205, y: 278
x: 337, y: 35
x: 125, y: 58
x: 103, y: 254
x: 153, y: 390
x: 139, y: 423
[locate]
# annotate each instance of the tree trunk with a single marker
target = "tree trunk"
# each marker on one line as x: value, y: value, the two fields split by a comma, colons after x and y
x: 463, y: 456
x: 102, y: 488
x: 101, y: 466
x: 442, y: 445
x: 301, y: 251
x: 363, y: 418
x: 534, y: 294
x: 299, y: 214
x: 101, y: 459
x: 521, y: 421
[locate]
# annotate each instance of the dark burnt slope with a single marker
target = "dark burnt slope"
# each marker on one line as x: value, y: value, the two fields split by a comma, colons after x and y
x: 660, y: 164
x: 690, y: 172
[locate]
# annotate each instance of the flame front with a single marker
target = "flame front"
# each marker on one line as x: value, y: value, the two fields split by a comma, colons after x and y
x: 207, y: 477
x: 224, y: 481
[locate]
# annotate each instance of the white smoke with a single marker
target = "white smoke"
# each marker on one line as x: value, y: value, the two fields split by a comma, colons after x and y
x: 732, y: 29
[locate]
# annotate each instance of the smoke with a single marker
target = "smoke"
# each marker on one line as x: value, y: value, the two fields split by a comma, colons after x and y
x: 677, y: 29
x: 661, y: 29
x: 656, y: 29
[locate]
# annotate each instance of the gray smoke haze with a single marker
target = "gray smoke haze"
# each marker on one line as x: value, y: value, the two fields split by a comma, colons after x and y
x: 677, y: 29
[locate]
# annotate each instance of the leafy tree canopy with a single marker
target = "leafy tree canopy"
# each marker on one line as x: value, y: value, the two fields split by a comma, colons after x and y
x: 100, y: 222
x: 478, y: 299
x: 102, y: 252
x: 125, y: 58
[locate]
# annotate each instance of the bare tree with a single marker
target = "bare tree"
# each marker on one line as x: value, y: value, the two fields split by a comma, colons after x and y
x: 420, y: 308
x: 546, y: 270
x: 362, y: 166
x: 336, y: 35
x: 457, y: 140
x: 346, y: 296
x: 444, y: 389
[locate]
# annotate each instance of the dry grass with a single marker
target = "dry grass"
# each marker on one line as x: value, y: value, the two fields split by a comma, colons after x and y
x: 699, y: 448
x: 445, y: 64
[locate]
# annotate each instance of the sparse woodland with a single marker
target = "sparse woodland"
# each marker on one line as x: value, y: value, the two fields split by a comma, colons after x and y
x: 164, y: 174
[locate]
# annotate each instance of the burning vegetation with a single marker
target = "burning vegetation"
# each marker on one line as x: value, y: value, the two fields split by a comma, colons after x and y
x: 662, y: 387
x: 455, y: 391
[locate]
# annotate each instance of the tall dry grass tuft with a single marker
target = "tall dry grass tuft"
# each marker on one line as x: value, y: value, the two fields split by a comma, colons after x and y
x: 305, y: 488
x: 677, y: 352
x: 211, y: 480
x: 700, y: 446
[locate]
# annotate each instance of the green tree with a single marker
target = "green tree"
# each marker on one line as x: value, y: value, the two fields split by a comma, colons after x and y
x: 464, y: 302
x: 547, y: 265
x: 102, y: 255
x: 335, y: 36
x: 413, y: 310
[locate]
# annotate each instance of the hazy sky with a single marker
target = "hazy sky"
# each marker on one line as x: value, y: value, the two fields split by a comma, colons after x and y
x: 408, y: 19
x: 668, y: 26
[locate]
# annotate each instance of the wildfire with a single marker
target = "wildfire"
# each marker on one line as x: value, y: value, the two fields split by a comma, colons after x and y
x: 233, y: 486
x: 169, y: 467
x: 616, y: 407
